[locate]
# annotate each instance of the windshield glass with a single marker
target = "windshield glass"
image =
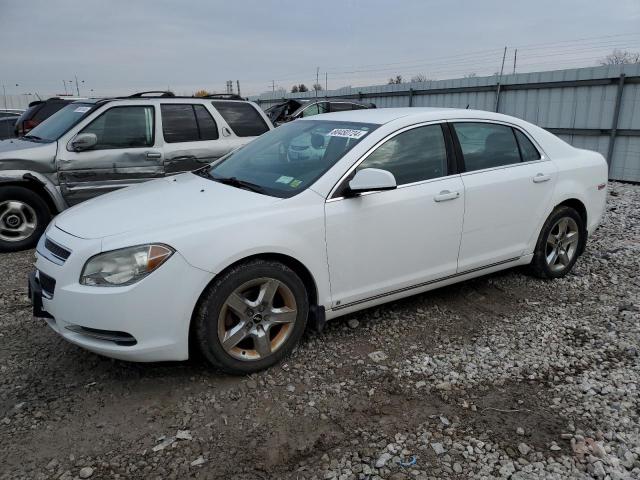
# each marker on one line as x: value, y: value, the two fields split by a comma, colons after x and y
x: 285, y: 161
x: 60, y: 122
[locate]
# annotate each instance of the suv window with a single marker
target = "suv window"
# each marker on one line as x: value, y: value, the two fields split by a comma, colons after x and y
x: 412, y: 156
x: 315, y: 109
x: 528, y: 152
x: 123, y: 127
x: 486, y: 145
x: 243, y: 118
x: 47, y: 109
x: 340, y: 106
x: 187, y: 123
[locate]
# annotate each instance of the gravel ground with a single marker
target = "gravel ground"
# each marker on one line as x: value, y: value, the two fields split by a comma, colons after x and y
x: 503, y: 376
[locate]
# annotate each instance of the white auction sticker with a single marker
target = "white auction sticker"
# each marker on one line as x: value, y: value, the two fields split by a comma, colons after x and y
x: 82, y: 109
x: 347, y: 133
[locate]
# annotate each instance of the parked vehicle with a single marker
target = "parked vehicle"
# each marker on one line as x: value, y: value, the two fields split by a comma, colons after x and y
x: 7, y: 124
x: 401, y: 201
x: 39, y: 111
x: 10, y: 112
x: 96, y: 146
x: 294, y: 109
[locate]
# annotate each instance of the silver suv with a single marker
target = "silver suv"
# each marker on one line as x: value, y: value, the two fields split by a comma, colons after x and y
x: 92, y: 147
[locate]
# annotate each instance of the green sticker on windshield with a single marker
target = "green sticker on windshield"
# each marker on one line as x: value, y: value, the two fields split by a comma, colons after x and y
x: 295, y: 183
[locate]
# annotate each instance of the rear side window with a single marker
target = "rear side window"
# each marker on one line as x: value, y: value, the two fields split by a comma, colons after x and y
x: 340, y: 107
x: 412, y: 156
x: 123, y: 127
x: 315, y: 109
x: 528, y: 152
x: 486, y: 145
x: 243, y: 118
x: 187, y: 123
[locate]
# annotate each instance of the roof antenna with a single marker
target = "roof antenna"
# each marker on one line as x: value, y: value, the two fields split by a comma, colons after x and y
x: 467, y: 108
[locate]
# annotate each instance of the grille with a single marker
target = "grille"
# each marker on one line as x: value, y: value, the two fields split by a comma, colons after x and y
x: 47, y: 283
x: 60, y: 252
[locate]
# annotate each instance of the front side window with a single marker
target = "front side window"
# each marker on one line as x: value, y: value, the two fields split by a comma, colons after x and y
x: 243, y: 118
x: 285, y: 161
x: 123, y: 127
x: 187, y: 123
x: 486, y: 145
x: 412, y: 156
x: 315, y: 109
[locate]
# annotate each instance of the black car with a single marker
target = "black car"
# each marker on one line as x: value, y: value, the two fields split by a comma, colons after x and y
x: 294, y: 109
x: 8, y: 121
x: 39, y: 111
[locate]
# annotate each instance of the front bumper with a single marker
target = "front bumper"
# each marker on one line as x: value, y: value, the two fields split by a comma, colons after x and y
x: 155, y: 312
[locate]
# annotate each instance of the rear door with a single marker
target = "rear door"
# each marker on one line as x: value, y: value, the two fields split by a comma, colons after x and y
x: 508, y: 185
x: 124, y: 155
x: 191, y: 136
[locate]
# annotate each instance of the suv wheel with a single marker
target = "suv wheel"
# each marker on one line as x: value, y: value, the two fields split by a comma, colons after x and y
x: 561, y: 240
x: 23, y: 217
x: 251, y: 317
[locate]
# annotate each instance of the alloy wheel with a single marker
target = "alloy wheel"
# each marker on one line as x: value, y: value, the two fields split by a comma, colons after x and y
x: 256, y: 319
x: 18, y: 221
x: 562, y: 244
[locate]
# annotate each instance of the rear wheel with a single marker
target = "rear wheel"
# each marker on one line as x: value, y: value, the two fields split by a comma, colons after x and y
x: 251, y: 317
x: 23, y: 217
x: 561, y: 240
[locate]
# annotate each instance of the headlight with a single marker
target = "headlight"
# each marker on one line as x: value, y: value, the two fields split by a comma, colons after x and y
x: 124, y: 266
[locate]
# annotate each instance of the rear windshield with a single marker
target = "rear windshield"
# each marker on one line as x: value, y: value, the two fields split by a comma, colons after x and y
x: 60, y: 122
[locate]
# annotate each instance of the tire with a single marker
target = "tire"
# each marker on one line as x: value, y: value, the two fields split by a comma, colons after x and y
x: 238, y: 329
x: 567, y: 244
x: 24, y: 215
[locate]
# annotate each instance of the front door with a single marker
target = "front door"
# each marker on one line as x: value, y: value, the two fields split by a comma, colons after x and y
x: 124, y: 155
x: 508, y: 186
x: 383, y: 242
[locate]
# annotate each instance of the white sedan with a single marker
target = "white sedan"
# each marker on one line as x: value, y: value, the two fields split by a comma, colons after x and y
x: 238, y: 258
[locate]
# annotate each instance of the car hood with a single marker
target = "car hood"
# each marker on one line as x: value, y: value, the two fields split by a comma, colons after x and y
x: 18, y: 149
x: 172, y: 201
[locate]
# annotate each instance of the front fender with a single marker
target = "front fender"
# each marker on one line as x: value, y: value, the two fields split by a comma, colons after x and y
x: 29, y: 176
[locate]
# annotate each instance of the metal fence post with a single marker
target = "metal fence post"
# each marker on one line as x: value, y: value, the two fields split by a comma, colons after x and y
x: 411, y: 97
x: 497, y: 96
x: 614, y: 122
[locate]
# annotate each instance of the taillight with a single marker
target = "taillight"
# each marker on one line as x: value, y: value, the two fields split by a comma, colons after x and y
x: 27, y: 125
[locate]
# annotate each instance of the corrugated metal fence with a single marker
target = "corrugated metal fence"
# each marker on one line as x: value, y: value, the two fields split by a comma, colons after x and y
x: 595, y: 108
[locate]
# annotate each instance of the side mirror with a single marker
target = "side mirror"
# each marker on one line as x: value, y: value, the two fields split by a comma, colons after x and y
x: 84, y: 141
x: 371, y: 180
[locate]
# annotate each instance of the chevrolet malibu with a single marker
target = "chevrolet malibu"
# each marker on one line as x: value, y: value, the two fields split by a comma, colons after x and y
x: 237, y: 258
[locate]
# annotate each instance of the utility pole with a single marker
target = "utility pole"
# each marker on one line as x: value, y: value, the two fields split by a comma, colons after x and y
x: 504, y: 55
x: 515, y: 56
x: 77, y: 87
x: 273, y: 87
x: 64, y: 82
x: 238, y: 84
x: 326, y: 82
x: 4, y: 94
x: 317, y: 80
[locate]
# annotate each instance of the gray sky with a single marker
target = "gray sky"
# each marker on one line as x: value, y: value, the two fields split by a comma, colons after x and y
x: 119, y: 47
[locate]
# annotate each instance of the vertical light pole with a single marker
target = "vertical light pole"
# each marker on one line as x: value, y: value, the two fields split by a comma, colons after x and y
x: 64, y: 83
x: 4, y: 94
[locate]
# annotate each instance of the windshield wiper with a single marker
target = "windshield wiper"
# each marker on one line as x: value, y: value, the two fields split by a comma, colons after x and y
x: 32, y: 137
x: 235, y: 182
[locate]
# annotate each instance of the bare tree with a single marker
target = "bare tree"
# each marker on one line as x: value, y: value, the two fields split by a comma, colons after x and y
x: 420, y: 77
x: 620, y: 57
x: 295, y: 89
x: 317, y: 87
x: 471, y: 75
x: 302, y: 88
x: 395, y: 80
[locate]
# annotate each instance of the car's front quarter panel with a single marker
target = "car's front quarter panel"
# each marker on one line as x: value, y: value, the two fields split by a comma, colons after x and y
x: 156, y: 310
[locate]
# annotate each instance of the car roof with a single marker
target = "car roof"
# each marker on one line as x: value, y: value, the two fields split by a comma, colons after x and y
x: 381, y: 116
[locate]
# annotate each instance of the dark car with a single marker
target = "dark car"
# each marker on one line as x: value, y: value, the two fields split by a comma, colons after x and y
x: 39, y: 111
x: 8, y: 119
x: 293, y: 109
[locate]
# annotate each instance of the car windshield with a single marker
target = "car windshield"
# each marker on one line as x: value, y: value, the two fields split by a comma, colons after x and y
x: 60, y: 122
x: 285, y: 161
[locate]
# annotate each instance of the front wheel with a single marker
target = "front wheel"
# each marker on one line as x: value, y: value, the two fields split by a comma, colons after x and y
x: 24, y: 215
x: 561, y: 240
x: 251, y: 317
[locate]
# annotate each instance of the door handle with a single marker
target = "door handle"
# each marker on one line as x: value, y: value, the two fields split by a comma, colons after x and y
x: 541, y: 177
x: 445, y: 195
x: 154, y: 155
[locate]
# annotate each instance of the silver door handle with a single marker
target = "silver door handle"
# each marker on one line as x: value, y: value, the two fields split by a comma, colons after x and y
x: 445, y: 195
x: 541, y: 177
x: 154, y: 155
